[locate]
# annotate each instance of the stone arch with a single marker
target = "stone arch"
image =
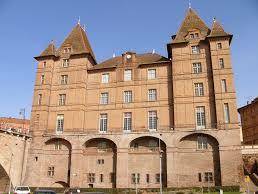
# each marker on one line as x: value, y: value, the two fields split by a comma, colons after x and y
x: 61, y: 183
x: 4, y: 180
x: 101, y: 162
x: 146, y: 148
x: 204, y: 148
x: 62, y: 150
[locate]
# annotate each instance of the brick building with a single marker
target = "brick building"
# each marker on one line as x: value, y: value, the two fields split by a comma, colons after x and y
x: 99, y: 124
x: 249, y: 121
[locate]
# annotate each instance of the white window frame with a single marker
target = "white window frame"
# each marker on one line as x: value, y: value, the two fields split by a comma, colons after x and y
x: 202, y: 143
x: 198, y: 89
x: 154, y: 123
x: 221, y: 63
x: 128, y: 75
x: 104, y: 98
x: 65, y: 63
x: 105, y: 78
x: 60, y: 123
x: 152, y: 95
x: 152, y: 74
x: 224, y: 86
x: 62, y: 99
x: 195, y: 49
x: 103, y: 122
x: 226, y: 113
x: 64, y: 79
x: 127, y: 122
x: 200, y: 117
x: 197, y: 68
x: 128, y: 96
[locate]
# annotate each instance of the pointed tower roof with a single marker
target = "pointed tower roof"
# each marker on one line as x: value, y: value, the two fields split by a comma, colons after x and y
x: 49, y: 51
x: 79, y: 42
x: 217, y: 30
x: 191, y: 21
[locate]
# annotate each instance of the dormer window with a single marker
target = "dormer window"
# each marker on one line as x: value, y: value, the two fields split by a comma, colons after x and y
x: 196, y: 35
x: 68, y: 50
x: 192, y: 36
x: 219, y: 45
x: 195, y: 49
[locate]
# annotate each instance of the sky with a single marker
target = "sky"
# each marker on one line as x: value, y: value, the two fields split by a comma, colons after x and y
x: 115, y: 26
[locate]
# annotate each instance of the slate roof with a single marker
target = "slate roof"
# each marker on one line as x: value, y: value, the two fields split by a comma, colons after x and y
x: 191, y: 21
x: 146, y: 58
x: 49, y: 51
x: 217, y: 30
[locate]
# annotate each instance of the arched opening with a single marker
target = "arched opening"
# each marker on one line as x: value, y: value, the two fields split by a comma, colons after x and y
x: 60, y: 184
x: 100, y: 163
x: 144, y: 162
x: 4, y: 180
x: 58, y: 161
x: 199, y: 161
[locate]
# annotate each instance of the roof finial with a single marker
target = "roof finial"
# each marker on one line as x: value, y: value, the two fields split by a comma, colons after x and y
x: 83, y: 27
x: 189, y: 4
x: 114, y: 55
x: 214, y: 19
x: 79, y: 20
x: 153, y: 51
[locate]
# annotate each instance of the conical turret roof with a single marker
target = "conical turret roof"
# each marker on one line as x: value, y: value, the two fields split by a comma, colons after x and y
x: 78, y: 41
x: 191, y: 21
x: 217, y: 30
x: 49, y: 51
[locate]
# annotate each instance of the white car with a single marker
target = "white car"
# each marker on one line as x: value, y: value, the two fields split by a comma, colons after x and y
x: 22, y: 190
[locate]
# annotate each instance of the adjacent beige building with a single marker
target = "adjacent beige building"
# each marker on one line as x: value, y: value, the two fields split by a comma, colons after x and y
x: 99, y: 124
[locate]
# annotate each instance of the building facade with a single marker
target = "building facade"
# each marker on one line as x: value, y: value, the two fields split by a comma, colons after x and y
x: 113, y: 124
x: 249, y: 121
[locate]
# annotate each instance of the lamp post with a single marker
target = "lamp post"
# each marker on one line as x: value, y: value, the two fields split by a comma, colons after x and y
x: 160, y: 165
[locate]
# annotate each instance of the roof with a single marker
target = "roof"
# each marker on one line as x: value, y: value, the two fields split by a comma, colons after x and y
x: 191, y: 21
x: 249, y: 104
x: 49, y: 51
x: 146, y: 58
x: 14, y: 120
x: 79, y: 42
x: 217, y: 30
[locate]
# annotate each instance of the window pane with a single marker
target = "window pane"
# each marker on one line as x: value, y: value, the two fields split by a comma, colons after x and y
x: 226, y: 113
x: 152, y: 95
x: 223, y: 85
x: 127, y: 96
x: 198, y: 87
x: 103, y: 122
x: 128, y: 121
x: 60, y: 123
x: 105, y: 78
x: 128, y: 75
x: 197, y: 68
x: 104, y: 98
x: 152, y: 120
x: 151, y: 73
x: 200, y: 117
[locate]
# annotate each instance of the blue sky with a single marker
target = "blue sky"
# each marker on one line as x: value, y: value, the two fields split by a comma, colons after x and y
x: 114, y: 26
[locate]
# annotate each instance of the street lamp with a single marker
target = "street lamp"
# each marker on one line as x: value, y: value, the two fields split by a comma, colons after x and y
x: 160, y: 165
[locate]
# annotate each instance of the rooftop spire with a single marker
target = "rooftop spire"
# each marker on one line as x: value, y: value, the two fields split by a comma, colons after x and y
x: 189, y: 4
x: 217, y: 29
x: 79, y: 20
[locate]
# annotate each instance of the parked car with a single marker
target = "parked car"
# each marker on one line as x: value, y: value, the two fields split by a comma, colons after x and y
x: 22, y: 190
x: 41, y: 191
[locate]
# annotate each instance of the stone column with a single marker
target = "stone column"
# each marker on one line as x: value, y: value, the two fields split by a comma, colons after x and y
x: 171, y: 167
x: 76, y: 171
x: 122, y: 168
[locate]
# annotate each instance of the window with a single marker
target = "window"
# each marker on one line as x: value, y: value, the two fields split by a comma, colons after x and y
x: 221, y: 63
x: 152, y: 120
x: 219, y: 45
x: 197, y: 68
x: 42, y: 79
x: 135, y: 178
x: 128, y: 75
x: 195, y: 49
x: 105, y: 78
x: 104, y: 98
x: 100, y: 161
x: 151, y: 73
x: 224, y: 85
x: 152, y: 94
x: 91, y: 177
x: 153, y: 145
x: 58, y: 145
x: 103, y: 122
x: 147, y: 178
x: 67, y: 50
x: 196, y: 35
x: 226, y: 113
x: 135, y: 145
x: 51, y: 171
x: 128, y: 121
x: 198, y: 89
x: 102, y: 145
x: 200, y: 117
x: 64, y: 79
x: 65, y: 63
x: 157, y: 178
x: 62, y: 98
x: 202, y: 143
x: 200, y: 177
x: 208, y: 177
x: 128, y: 96
x: 60, y: 123
x: 192, y: 36
x: 39, y: 99
x: 101, y: 178
x: 44, y: 64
